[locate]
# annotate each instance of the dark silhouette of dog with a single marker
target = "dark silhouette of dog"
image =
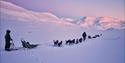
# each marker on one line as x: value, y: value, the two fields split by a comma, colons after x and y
x: 72, y: 41
x: 84, y: 35
x: 97, y: 36
x: 77, y: 41
x: 60, y: 44
x: 89, y: 37
x: 69, y: 42
x: 80, y: 40
x: 94, y: 37
x: 55, y: 42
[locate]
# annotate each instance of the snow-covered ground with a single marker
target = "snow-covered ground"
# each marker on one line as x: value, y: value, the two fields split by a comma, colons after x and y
x: 109, y: 48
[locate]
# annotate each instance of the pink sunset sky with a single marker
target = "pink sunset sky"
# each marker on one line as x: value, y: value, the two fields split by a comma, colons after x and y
x: 75, y: 8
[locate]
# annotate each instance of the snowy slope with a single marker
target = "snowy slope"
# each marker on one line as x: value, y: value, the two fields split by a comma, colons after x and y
x: 43, y: 28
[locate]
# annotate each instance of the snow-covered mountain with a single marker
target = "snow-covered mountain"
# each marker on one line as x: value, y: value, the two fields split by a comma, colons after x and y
x: 22, y: 14
x: 102, y: 23
x: 109, y: 22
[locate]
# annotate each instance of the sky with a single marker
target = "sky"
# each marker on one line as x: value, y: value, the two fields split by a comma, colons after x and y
x: 75, y: 8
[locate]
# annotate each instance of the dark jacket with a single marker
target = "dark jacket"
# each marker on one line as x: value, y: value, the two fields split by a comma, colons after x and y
x: 7, y: 38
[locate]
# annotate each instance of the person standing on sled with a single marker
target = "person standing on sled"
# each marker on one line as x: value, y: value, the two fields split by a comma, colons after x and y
x: 7, y: 40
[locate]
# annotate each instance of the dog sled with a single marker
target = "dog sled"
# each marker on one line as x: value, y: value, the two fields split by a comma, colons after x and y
x: 28, y: 45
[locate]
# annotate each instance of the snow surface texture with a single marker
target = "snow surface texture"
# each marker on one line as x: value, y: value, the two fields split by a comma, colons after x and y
x: 43, y: 28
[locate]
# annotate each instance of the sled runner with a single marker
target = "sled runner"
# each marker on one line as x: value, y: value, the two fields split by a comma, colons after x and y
x: 12, y: 47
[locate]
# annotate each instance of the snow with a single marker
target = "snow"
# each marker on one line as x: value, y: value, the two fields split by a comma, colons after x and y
x: 109, y: 48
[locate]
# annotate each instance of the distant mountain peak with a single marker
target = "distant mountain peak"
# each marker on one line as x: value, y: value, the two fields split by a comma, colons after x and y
x: 23, y: 14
